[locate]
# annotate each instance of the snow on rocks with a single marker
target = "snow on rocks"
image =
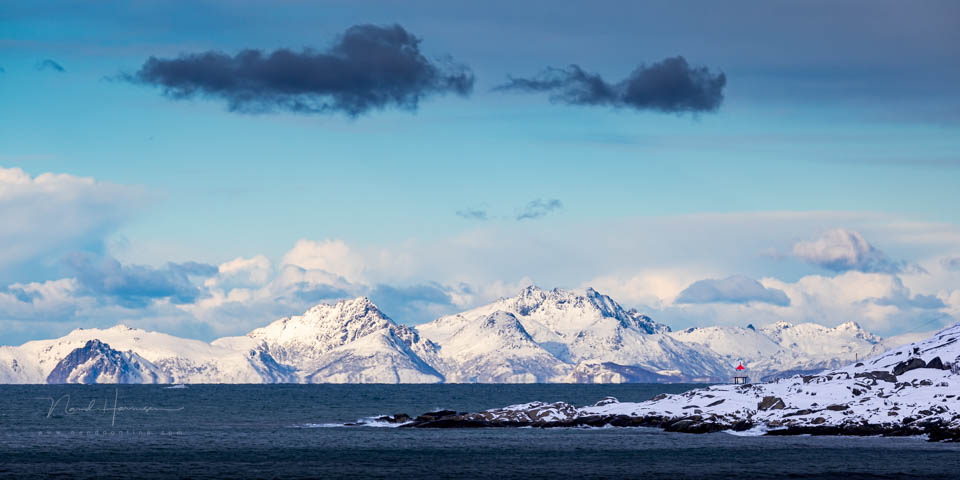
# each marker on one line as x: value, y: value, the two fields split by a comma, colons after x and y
x: 565, y: 336
x: 351, y: 341
x: 571, y: 335
x: 783, y: 349
x: 907, y: 391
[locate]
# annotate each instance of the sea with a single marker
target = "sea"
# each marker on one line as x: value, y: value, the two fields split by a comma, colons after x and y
x: 297, y: 431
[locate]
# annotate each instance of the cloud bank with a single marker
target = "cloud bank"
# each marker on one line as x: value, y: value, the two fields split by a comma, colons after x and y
x: 137, y: 285
x: 842, y: 250
x: 670, y: 85
x: 51, y: 214
x: 735, y: 289
x: 367, y: 68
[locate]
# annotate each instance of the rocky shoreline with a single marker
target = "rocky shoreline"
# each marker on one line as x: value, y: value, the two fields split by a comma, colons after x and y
x: 934, y: 430
x: 909, y: 391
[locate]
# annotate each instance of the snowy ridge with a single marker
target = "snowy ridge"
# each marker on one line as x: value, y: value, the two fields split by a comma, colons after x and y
x: 782, y: 349
x: 180, y: 360
x: 497, y: 349
x: 911, y: 390
x: 576, y: 327
x: 578, y: 336
x: 351, y: 341
x: 96, y: 362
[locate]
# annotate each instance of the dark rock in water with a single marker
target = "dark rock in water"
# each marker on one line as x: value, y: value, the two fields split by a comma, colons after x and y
x: 936, y: 363
x: 439, y: 413
x: 911, y: 364
x: 877, y: 375
x: 434, y: 416
x: 396, y: 418
x: 742, y: 425
x: 771, y: 403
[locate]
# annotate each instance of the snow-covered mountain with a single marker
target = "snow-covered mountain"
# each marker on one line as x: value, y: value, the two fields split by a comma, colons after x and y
x: 349, y: 342
x: 180, y: 360
x: 96, y: 362
x: 496, y: 348
x: 783, y: 349
x: 536, y: 336
x: 575, y: 327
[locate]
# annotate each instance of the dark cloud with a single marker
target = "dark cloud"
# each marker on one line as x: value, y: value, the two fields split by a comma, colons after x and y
x: 843, y: 250
x: 951, y: 263
x: 137, y: 285
x: 735, y: 289
x: 900, y: 297
x: 670, y: 85
x: 49, y: 64
x: 368, y: 68
x: 538, y: 208
x: 925, y: 302
x: 472, y: 214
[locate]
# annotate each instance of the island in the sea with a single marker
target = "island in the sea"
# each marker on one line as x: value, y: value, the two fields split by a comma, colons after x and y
x: 907, y: 391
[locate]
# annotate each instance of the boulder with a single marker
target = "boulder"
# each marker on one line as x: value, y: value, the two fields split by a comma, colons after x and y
x: 771, y: 403
x: 877, y: 375
x: 396, y: 418
x: 906, y: 366
x: 936, y: 363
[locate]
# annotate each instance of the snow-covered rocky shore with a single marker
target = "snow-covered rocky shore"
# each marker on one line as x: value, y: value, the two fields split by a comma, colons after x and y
x: 911, y: 390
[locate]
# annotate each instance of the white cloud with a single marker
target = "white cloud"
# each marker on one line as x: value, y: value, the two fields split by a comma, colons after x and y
x: 50, y: 214
x: 242, y: 272
x: 733, y: 289
x: 841, y: 250
x: 654, y: 288
x: 639, y: 262
x: 333, y: 256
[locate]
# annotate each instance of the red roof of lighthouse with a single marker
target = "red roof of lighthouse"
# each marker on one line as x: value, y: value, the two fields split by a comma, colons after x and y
x: 740, y: 366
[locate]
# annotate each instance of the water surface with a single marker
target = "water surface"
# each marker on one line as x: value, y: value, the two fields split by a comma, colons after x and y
x: 264, y: 431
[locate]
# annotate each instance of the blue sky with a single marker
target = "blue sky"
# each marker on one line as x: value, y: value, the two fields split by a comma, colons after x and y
x: 834, y: 117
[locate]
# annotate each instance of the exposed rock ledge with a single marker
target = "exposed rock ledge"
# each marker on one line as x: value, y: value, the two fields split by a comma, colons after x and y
x: 905, y: 392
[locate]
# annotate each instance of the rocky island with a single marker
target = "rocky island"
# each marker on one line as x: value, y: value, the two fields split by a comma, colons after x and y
x: 908, y: 391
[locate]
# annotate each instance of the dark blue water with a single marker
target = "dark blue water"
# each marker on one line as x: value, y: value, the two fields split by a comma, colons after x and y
x: 235, y: 431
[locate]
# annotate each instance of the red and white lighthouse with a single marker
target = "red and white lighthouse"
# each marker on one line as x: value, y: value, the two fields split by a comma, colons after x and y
x: 740, y: 377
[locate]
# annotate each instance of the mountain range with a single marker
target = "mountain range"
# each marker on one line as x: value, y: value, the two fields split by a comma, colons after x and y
x: 537, y: 336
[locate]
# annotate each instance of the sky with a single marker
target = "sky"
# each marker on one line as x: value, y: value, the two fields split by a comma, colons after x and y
x: 204, y: 168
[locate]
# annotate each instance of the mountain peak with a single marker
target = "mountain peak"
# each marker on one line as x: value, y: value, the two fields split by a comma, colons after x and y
x: 349, y: 304
x: 97, y: 362
x: 851, y: 325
